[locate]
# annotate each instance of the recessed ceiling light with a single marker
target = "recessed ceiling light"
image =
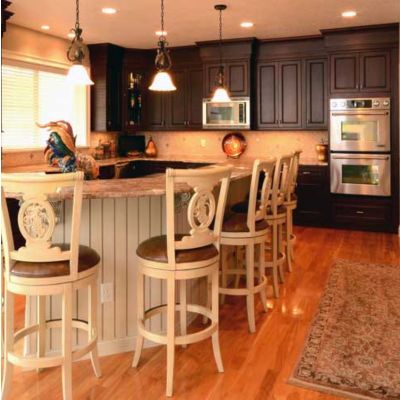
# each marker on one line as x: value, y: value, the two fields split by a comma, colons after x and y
x: 161, y: 33
x: 246, y: 24
x: 349, y: 14
x: 71, y: 35
x: 108, y: 10
x: 45, y: 27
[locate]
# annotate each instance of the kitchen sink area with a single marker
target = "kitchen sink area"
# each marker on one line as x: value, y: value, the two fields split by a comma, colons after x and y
x: 141, y: 168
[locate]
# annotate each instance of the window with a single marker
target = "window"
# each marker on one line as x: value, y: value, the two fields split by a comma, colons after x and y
x: 36, y: 94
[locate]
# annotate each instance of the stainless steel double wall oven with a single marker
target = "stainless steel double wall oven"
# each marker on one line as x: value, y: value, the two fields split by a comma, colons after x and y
x: 360, y: 146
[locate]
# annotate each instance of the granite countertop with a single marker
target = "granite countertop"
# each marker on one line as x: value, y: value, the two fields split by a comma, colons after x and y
x: 151, y: 185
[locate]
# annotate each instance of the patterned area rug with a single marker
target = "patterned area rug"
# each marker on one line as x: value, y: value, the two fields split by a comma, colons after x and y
x: 353, y: 349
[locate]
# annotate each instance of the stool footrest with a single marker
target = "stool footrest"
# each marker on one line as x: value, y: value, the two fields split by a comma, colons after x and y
x: 244, y: 291
x: 183, y: 339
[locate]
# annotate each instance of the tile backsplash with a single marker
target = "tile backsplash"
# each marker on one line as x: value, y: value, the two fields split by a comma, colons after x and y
x: 259, y: 143
x: 198, y: 143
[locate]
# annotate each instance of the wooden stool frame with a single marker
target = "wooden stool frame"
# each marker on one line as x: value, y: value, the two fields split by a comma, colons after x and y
x: 36, y: 221
x: 203, y: 210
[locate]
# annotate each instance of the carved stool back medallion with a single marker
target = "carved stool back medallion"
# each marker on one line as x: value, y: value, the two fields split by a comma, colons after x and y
x: 201, y: 210
x: 36, y: 220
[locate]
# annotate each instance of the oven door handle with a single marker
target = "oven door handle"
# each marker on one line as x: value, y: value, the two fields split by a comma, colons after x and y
x: 364, y: 157
x: 359, y: 113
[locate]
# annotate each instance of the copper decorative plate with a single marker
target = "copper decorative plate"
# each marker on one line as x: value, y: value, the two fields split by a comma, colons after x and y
x: 234, y: 145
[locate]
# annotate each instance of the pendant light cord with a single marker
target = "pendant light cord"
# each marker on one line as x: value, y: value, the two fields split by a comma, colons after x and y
x: 220, y: 38
x: 162, y: 37
x: 77, y: 15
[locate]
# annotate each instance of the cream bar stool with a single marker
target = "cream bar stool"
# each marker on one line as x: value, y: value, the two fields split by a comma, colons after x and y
x: 42, y: 268
x: 290, y: 204
x: 249, y: 229
x: 276, y: 218
x: 177, y: 258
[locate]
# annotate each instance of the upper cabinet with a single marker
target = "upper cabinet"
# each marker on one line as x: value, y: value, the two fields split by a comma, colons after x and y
x: 316, y: 93
x: 106, y: 93
x: 237, y: 56
x: 291, y: 85
x: 360, y: 72
x: 237, y: 78
x: 279, y: 94
x: 182, y: 108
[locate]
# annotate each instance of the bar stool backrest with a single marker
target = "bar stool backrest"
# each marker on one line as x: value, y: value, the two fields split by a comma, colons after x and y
x: 203, y: 209
x: 37, y: 218
x: 294, y: 174
x: 281, y: 182
x: 257, y: 210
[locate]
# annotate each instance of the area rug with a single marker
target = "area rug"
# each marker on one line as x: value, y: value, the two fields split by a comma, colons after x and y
x: 353, y: 349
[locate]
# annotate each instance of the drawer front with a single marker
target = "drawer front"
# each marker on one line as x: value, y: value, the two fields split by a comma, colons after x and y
x: 374, y: 217
x: 312, y: 175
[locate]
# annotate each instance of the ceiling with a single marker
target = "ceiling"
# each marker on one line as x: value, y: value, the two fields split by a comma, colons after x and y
x: 188, y: 21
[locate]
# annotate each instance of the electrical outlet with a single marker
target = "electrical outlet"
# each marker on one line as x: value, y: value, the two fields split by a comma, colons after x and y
x: 203, y: 142
x: 107, y: 292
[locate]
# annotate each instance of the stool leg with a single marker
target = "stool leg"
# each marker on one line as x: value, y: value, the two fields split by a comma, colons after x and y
x: 238, y: 265
x: 208, y: 295
x: 66, y: 368
x: 215, y: 317
x: 288, y: 241
x: 274, y: 245
x: 140, y: 316
x: 93, y: 326
x: 280, y: 252
x: 183, y: 303
x: 261, y: 272
x: 224, y: 275
x: 250, y: 286
x: 170, y: 332
x: 8, y: 342
x: 41, y: 335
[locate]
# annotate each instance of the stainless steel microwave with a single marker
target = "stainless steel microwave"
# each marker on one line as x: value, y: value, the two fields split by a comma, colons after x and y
x: 227, y: 115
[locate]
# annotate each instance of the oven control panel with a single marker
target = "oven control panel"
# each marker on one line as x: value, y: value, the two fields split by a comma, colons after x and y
x: 377, y: 103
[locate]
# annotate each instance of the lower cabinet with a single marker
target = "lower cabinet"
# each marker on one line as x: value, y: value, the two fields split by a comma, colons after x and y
x: 363, y: 213
x: 312, y: 196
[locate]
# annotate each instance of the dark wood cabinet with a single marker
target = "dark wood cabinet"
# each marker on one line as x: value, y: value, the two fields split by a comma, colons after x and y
x: 106, y: 93
x: 362, y: 213
x: 176, y: 102
x: 375, y: 71
x: 312, y: 196
x: 316, y: 96
x: 236, y: 74
x: 267, y: 95
x: 360, y: 72
x: 180, y: 109
x: 194, y: 97
x: 156, y: 110
x: 290, y: 94
x: 279, y: 94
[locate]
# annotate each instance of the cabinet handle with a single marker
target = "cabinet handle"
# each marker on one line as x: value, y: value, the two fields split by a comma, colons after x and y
x: 359, y: 212
x: 306, y: 173
x: 361, y: 86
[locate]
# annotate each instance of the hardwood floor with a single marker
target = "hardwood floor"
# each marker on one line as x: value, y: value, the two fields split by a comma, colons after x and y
x: 257, y: 365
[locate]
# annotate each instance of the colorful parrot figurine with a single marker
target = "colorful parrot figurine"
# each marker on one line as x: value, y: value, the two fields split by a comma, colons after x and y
x: 61, y: 150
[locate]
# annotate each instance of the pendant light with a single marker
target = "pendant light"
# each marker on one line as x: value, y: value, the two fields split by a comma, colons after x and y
x: 162, y: 81
x: 77, y: 74
x: 221, y: 94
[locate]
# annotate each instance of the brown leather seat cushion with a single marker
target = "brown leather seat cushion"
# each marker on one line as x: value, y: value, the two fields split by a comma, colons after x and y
x: 242, y: 207
x: 236, y: 222
x: 155, y: 249
x: 88, y: 258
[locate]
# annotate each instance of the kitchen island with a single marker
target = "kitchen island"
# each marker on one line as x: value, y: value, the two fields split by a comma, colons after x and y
x: 117, y: 215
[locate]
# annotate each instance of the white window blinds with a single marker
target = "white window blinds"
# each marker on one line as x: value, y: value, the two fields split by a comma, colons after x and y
x: 31, y: 94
